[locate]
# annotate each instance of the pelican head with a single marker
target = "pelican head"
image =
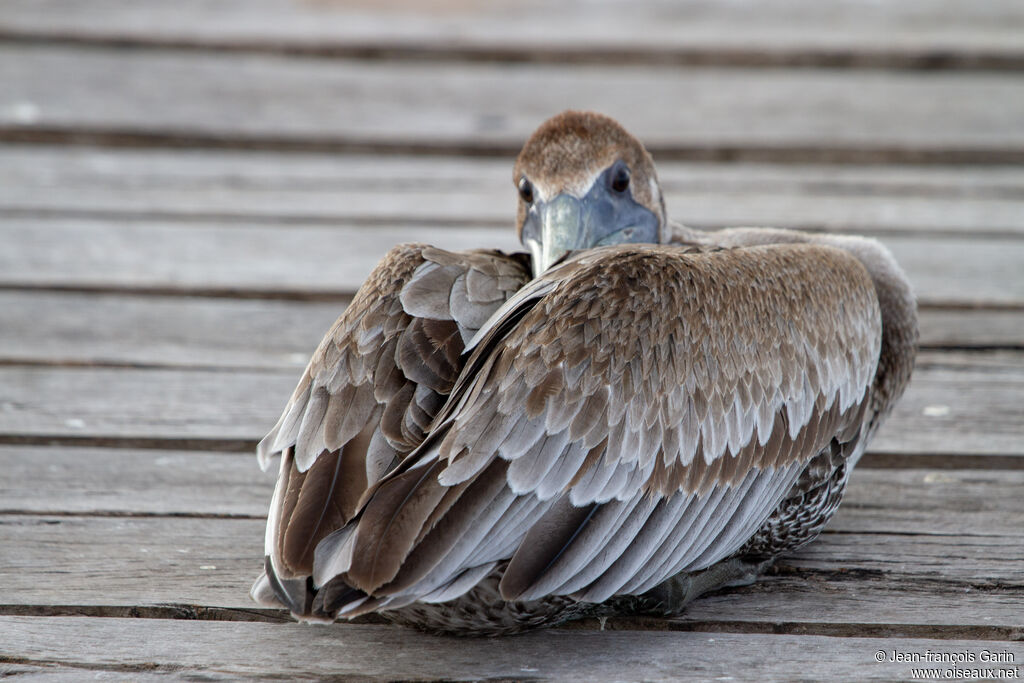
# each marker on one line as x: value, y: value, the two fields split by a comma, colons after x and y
x: 585, y: 182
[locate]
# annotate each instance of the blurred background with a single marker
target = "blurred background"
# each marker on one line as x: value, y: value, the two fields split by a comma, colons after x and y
x: 191, y: 192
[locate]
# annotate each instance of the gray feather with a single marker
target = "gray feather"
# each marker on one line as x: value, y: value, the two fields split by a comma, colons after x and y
x: 460, y: 585
x: 348, y: 414
x: 333, y: 555
x: 309, y: 442
x: 467, y: 313
x: 427, y: 294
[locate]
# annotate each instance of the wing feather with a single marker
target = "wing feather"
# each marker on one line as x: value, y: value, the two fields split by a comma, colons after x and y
x: 526, y: 473
x: 589, y: 539
x: 636, y: 512
x: 647, y: 542
x: 683, y: 533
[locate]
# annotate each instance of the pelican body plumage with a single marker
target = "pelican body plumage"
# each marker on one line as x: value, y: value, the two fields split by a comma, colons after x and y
x: 630, y: 415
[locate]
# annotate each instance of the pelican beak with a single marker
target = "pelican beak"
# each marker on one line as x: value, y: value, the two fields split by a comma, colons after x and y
x: 567, y: 223
x: 561, y: 231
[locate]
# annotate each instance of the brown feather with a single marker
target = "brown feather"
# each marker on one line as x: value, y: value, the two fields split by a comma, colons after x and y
x: 446, y: 528
x: 541, y: 546
x: 325, y: 498
x: 390, y: 523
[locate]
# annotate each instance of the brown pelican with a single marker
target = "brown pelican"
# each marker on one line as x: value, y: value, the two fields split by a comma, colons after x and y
x: 652, y: 413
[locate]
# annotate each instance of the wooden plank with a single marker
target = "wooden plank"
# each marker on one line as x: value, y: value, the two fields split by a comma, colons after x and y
x: 71, y: 328
x: 312, y: 103
x: 847, y: 600
x: 936, y: 414
x: 848, y: 33
x: 951, y: 400
x: 130, y: 561
x: 148, y: 254
x: 173, y: 405
x: 931, y: 502
x: 388, y: 653
x: 971, y: 329
x: 224, y: 258
x: 107, y: 481
x: 963, y: 528
x: 335, y: 189
x: 108, y: 329
x: 961, y: 271
x: 935, y: 558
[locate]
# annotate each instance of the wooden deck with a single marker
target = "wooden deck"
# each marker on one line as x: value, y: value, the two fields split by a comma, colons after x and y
x: 191, y: 191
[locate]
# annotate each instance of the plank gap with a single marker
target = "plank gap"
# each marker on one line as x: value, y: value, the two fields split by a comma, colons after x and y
x: 994, y: 306
x: 83, y: 135
x: 972, y: 348
x: 940, y: 461
x: 160, y: 611
x: 874, y: 58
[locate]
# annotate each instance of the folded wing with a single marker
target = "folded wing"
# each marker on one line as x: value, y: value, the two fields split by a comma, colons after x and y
x: 369, y: 394
x: 635, y: 412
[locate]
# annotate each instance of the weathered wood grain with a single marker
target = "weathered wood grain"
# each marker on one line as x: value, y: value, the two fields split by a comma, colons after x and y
x: 980, y: 502
x: 452, y: 191
x: 708, y: 113
x: 83, y: 560
x: 173, y: 405
x: 144, y: 253
x: 950, y: 401
x: 139, y: 482
x: 922, y: 34
x: 846, y: 601
x: 935, y: 412
x: 971, y: 329
x: 384, y: 653
x: 74, y: 328
x: 108, y: 329
x: 983, y: 562
x: 225, y: 258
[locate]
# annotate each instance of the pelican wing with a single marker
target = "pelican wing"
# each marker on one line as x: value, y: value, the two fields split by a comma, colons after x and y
x: 892, y: 288
x: 372, y: 388
x: 635, y: 412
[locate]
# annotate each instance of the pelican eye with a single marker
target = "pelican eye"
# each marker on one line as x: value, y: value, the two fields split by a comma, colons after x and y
x: 620, y: 178
x: 525, y: 190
